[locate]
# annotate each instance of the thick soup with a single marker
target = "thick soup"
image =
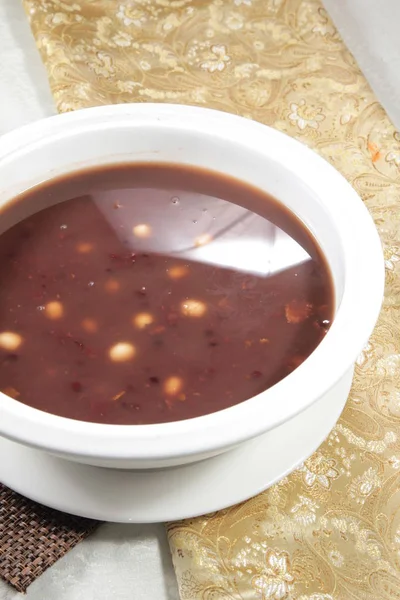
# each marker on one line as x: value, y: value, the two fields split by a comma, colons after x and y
x: 152, y: 293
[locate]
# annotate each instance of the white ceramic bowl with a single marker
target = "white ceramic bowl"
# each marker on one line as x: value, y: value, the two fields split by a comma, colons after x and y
x: 295, y: 175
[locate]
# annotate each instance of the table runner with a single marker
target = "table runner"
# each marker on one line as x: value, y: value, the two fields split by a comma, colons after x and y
x: 331, y: 530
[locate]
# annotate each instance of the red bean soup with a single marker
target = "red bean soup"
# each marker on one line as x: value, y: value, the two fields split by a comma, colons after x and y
x: 147, y: 293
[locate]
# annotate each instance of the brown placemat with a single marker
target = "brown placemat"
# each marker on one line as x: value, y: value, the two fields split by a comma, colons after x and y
x: 33, y: 538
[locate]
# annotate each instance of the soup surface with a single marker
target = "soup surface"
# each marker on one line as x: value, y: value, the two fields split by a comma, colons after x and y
x: 152, y: 293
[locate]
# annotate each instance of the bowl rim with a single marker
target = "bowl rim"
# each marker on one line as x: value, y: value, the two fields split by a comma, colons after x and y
x: 353, y: 323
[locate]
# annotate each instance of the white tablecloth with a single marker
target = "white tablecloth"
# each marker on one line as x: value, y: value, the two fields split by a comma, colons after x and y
x: 133, y: 562
x: 371, y: 30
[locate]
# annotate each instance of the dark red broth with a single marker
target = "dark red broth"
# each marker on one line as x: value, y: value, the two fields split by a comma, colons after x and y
x: 154, y: 293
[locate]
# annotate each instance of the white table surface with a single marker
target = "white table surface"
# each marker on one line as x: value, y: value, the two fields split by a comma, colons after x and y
x: 133, y: 562
x: 371, y: 30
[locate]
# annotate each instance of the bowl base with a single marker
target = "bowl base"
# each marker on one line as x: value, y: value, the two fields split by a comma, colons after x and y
x: 177, y: 492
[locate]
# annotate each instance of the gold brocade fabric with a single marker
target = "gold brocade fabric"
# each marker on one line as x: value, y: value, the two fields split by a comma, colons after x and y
x: 331, y: 530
